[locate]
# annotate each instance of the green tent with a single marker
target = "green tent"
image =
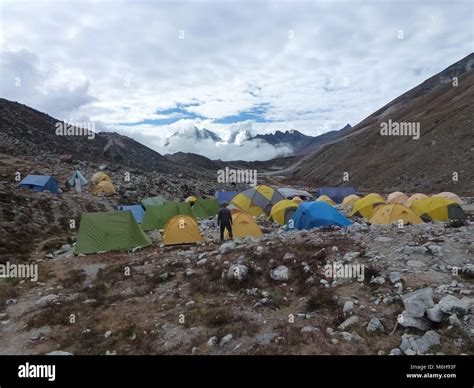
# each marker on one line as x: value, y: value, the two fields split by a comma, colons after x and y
x: 77, y: 175
x: 157, y: 216
x: 154, y: 201
x: 109, y: 231
x: 205, y: 208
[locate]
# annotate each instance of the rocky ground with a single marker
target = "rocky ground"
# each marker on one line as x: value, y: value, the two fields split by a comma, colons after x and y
x: 267, y: 296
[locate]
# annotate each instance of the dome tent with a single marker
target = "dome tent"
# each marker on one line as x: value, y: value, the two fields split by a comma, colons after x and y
x: 326, y: 199
x: 388, y: 214
x: 363, y: 207
x: 413, y: 198
x: 449, y: 195
x: 349, y: 201
x: 243, y: 225
x: 397, y: 197
x: 283, y: 211
x: 315, y: 214
x: 181, y: 229
x: 257, y: 200
x: 103, y: 187
x: 438, y: 209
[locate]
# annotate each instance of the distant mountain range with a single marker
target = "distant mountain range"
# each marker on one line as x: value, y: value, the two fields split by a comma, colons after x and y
x: 292, y: 139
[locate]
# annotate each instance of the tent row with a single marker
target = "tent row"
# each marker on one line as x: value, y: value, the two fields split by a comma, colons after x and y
x: 414, y: 210
x: 101, y: 183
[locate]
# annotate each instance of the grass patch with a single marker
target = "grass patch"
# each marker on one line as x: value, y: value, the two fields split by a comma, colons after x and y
x: 322, y: 299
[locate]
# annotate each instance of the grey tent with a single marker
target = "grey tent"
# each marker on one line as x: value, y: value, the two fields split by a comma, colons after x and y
x: 77, y: 175
x: 290, y: 193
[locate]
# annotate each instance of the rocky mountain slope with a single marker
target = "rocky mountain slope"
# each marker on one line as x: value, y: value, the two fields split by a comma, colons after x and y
x: 445, y: 148
x: 28, y: 132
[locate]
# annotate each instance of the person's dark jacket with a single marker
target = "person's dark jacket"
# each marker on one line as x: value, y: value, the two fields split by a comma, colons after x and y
x: 224, y: 217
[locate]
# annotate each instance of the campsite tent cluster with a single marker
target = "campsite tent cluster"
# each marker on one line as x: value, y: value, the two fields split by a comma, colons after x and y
x: 125, y: 228
x: 100, y: 183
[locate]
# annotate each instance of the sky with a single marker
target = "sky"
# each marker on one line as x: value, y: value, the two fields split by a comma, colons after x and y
x: 149, y: 69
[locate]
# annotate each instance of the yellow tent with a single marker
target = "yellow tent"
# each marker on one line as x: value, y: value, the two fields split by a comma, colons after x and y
x: 438, y: 209
x: 103, y: 187
x: 349, y: 201
x: 257, y: 200
x: 191, y: 199
x: 100, y: 177
x: 243, y: 225
x: 325, y: 198
x: 297, y: 200
x: 388, y: 214
x: 397, y: 197
x: 449, y: 195
x: 283, y: 211
x: 363, y: 207
x: 181, y: 229
x: 375, y: 195
x: 414, y: 198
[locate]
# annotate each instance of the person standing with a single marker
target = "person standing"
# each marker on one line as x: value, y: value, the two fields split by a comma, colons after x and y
x: 224, y: 220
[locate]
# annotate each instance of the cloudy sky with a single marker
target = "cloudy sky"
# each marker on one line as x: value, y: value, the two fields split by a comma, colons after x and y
x: 148, y: 69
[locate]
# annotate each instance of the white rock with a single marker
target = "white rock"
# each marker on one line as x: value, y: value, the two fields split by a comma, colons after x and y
x: 47, y: 299
x: 227, y: 247
x: 59, y: 353
x: 348, y: 306
x: 434, y: 314
x: 383, y: 239
x: 419, y: 345
x: 394, y: 277
x: 348, y: 322
x: 417, y: 302
x: 212, y: 341
x: 406, y: 320
x: 226, y: 339
x: 238, y: 272
x: 452, y: 305
x: 374, y: 325
x: 280, y: 273
x: 349, y: 256
x: 380, y: 280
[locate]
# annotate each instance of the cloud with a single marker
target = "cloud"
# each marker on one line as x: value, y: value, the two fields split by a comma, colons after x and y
x: 313, y: 66
x: 24, y: 80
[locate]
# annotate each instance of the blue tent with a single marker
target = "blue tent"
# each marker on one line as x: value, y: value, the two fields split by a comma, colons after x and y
x: 314, y: 214
x: 225, y: 196
x: 40, y: 183
x: 137, y: 211
x: 337, y: 194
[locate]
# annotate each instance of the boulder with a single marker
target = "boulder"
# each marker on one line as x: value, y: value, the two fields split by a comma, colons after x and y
x: 280, y: 273
x: 238, y: 272
x: 417, y: 302
x: 419, y: 345
x: 374, y: 325
x: 452, y: 305
x: 349, y: 322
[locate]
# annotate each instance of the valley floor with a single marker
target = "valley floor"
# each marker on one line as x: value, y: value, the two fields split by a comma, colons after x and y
x: 191, y: 300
